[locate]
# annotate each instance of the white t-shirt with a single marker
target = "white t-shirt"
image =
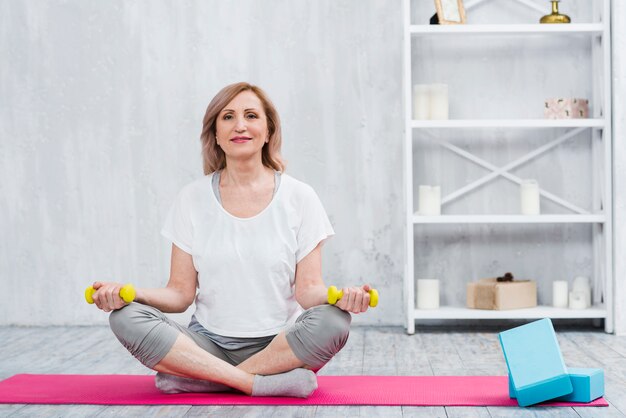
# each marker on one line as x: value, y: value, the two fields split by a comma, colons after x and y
x: 246, y: 266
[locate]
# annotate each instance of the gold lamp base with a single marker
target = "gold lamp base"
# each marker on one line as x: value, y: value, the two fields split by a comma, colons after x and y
x: 555, y: 16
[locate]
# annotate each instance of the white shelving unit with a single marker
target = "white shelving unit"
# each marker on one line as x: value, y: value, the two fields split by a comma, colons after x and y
x: 508, y: 219
x: 447, y: 312
x: 599, y: 126
x: 434, y: 30
x: 509, y: 123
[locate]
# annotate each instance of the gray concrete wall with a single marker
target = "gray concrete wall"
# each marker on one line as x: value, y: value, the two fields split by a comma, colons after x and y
x: 101, y: 109
x: 102, y: 105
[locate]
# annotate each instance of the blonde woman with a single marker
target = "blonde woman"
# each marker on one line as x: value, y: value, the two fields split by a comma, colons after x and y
x: 247, y: 248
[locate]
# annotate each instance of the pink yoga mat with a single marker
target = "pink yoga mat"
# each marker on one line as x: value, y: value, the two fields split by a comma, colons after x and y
x: 333, y: 390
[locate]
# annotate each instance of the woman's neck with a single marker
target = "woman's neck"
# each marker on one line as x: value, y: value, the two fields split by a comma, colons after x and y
x: 244, y: 174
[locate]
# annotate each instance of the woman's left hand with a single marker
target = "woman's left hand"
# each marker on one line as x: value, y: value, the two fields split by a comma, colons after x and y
x: 355, y: 299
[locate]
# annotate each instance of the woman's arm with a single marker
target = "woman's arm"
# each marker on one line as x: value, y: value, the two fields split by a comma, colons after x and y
x: 311, y: 291
x: 176, y: 297
x: 310, y: 288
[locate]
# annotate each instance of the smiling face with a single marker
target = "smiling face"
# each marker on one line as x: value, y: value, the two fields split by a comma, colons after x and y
x: 241, y: 127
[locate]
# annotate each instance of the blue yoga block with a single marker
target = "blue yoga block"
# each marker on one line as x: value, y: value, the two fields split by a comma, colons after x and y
x: 588, y: 385
x: 512, y: 393
x: 535, y: 363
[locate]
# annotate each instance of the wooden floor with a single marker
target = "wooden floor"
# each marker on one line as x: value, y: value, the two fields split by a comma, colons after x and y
x: 370, y: 351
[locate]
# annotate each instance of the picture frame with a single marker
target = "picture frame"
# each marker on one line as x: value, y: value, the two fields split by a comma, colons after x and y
x: 450, y: 12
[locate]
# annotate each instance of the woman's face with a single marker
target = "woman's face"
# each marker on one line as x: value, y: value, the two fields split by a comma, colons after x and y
x: 241, y: 127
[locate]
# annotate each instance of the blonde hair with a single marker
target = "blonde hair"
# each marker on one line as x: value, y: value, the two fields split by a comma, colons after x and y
x: 213, y: 158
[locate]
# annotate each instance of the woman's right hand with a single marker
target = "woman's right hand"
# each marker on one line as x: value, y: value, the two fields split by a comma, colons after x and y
x: 107, y: 296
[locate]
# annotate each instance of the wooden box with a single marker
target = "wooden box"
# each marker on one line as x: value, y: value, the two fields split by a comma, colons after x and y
x: 494, y: 295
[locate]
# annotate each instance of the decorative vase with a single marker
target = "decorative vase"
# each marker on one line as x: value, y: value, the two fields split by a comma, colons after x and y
x: 555, y: 16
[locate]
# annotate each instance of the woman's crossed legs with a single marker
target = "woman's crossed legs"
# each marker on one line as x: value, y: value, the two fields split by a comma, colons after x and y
x: 188, y: 361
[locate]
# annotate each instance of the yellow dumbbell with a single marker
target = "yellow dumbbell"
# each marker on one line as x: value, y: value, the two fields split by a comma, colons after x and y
x: 127, y: 293
x: 335, y: 294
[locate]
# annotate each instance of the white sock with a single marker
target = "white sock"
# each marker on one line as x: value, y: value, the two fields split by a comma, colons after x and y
x: 169, y: 383
x: 297, y: 383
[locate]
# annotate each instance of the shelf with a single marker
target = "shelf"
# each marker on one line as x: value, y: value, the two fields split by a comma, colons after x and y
x: 429, y: 53
x: 509, y: 219
x: 536, y: 28
x: 509, y: 123
x: 448, y: 312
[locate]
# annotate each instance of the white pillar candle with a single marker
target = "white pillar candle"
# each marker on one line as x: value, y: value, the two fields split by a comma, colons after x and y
x: 421, y: 101
x: 529, y: 193
x: 429, y: 200
x: 559, y: 294
x: 439, y: 106
x: 435, y: 200
x: 581, y: 284
x: 577, y: 300
x: 427, y: 294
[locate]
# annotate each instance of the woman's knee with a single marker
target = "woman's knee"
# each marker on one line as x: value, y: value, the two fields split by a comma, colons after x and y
x: 123, y: 322
x: 319, y: 334
x: 334, y: 325
x: 143, y: 331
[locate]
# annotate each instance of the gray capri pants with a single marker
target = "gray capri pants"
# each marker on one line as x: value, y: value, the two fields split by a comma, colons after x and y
x: 316, y: 336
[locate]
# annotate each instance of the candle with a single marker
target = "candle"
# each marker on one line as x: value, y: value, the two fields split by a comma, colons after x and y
x: 530, y: 197
x: 421, y: 101
x: 581, y: 284
x: 439, y: 101
x: 559, y: 294
x: 577, y: 300
x: 427, y: 294
x: 429, y: 200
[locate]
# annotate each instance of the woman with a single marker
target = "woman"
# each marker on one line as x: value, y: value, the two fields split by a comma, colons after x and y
x: 249, y: 238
